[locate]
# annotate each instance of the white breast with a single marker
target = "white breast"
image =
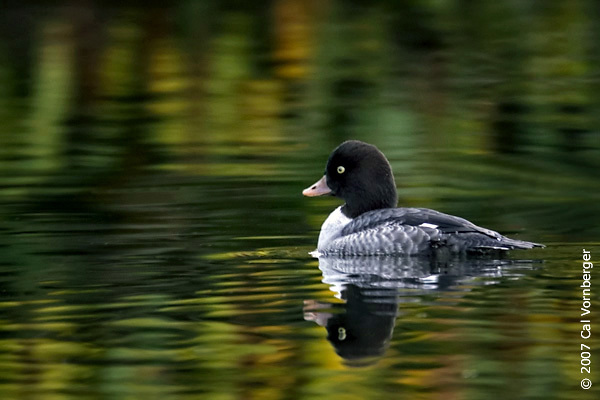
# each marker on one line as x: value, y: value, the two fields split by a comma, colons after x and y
x: 332, y: 227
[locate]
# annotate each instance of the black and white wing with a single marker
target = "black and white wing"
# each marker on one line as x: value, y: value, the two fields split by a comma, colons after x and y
x: 416, y: 231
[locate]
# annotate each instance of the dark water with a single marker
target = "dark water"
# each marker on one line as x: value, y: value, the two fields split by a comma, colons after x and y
x: 154, y: 242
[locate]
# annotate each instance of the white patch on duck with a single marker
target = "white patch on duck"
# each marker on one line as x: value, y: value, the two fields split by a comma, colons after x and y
x: 332, y: 227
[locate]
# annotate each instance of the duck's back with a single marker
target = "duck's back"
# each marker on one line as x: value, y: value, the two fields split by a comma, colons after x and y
x: 414, y: 231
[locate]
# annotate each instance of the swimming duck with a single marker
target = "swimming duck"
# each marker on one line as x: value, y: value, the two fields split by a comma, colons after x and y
x: 369, y: 222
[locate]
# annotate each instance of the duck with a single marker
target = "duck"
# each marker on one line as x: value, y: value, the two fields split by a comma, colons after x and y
x: 370, y: 223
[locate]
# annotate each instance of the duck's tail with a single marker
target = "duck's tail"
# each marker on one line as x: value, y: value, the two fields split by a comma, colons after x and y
x: 505, y: 243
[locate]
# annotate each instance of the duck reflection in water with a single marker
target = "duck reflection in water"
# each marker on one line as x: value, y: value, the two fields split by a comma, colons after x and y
x: 371, y: 288
x: 360, y: 329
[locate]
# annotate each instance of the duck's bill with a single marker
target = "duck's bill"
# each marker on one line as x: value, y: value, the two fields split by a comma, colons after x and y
x: 319, y: 188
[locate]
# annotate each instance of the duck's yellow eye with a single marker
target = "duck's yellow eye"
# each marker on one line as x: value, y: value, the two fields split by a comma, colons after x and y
x: 341, y: 169
x: 341, y: 333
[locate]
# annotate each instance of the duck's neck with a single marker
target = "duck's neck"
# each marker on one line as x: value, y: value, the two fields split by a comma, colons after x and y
x: 384, y: 197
